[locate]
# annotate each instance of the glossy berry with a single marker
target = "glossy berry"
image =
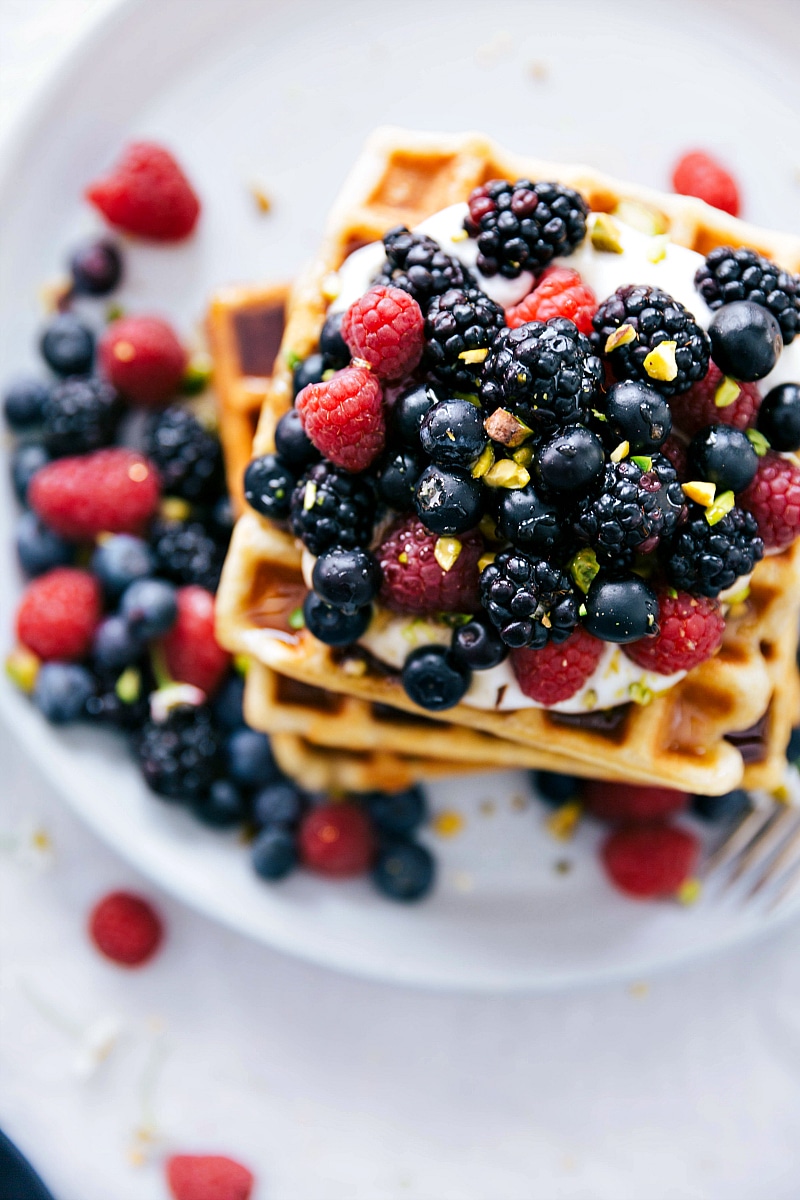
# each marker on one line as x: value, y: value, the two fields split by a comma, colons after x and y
x: 80, y: 415
x: 310, y: 370
x: 448, y: 500
x: 126, y: 929
x: 331, y: 507
x: 332, y: 346
x: 62, y: 691
x: 724, y: 456
x: 433, y: 680
x: 344, y: 418
x: 779, y: 417
x: 347, y: 579
x: 221, y: 807
x: 332, y: 626
x: 110, y: 491
x: 477, y: 646
x: 555, y: 788
x: 460, y: 326
x: 530, y: 600
x: 621, y: 802
x: 147, y: 194
x: 268, y: 486
x: 650, y: 860
x: 188, y: 457
x: 115, y: 645
x: 413, y: 578
x: 59, y: 613
x: 67, y: 345
x: 409, y: 411
x: 558, y: 670
x: 418, y: 265
x: 698, y: 174
x: 385, y: 328
x: 337, y: 840
x: 655, y: 317
x: 707, y: 559
x: 774, y: 500
x: 228, y: 706
x: 280, y: 803
x: 188, y: 552
x: 191, y: 650
x: 95, y: 267
x: 690, y: 630
x: 398, y: 813
x: 143, y: 358
x: 26, y: 460
x: 696, y: 408
x: 23, y: 404
x: 208, y: 1177
x: 180, y: 757
x: 746, y: 340
x: 404, y: 871
x: 524, y: 225
x: 638, y: 503
x: 38, y: 548
x: 570, y: 461
x: 248, y: 759
x: 636, y: 413
x: 398, y: 478
x: 559, y: 292
x: 621, y: 609
x: 119, y: 560
x: 150, y: 607
x: 727, y: 808
x: 274, y: 852
x: 452, y: 433
x: 530, y: 522
x: 292, y: 444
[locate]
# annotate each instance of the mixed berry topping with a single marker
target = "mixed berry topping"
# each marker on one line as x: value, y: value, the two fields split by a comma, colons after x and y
x: 418, y: 265
x: 708, y: 559
x: 730, y: 274
x: 460, y: 326
x: 524, y: 226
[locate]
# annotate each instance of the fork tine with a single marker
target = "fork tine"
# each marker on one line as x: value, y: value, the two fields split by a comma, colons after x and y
x: 787, y: 856
x: 739, y: 837
x: 790, y: 882
x: 765, y: 843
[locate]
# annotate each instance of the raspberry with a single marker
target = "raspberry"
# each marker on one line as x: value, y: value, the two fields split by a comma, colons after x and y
x: 126, y: 928
x: 191, y: 650
x: 59, y: 613
x: 695, y: 409
x: 147, y: 194
x: 413, y: 580
x: 632, y: 801
x: 337, y: 839
x: 647, y: 861
x: 386, y: 328
x: 110, y: 491
x: 208, y: 1177
x: 344, y: 417
x: 774, y: 500
x: 557, y: 671
x: 143, y: 359
x: 698, y: 174
x: 690, y: 631
x: 560, y: 292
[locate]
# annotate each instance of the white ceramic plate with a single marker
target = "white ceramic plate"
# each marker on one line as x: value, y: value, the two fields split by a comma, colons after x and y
x: 282, y: 94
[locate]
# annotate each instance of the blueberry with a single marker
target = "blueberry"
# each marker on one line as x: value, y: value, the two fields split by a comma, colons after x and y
x: 67, y: 345
x: 26, y: 460
x: 779, y: 417
x: 119, y: 560
x: 23, y: 404
x: 448, y: 500
x: 724, y: 456
x: 292, y: 444
x: 274, y: 853
x: 555, y: 788
x: 228, y: 704
x: 793, y: 749
x: 249, y: 759
x: 38, y: 548
x: 346, y: 579
x: 280, y: 803
x: 570, y: 461
x: 398, y: 813
x: 150, y: 607
x: 268, y: 486
x: 477, y: 646
x: 96, y: 267
x: 728, y: 808
x: 638, y: 414
x: 404, y: 871
x: 452, y: 433
x: 621, y: 610
x: 530, y: 522
x: 332, y: 346
x: 331, y: 625
x: 398, y: 479
x: 433, y: 680
x: 115, y: 644
x: 409, y: 412
x: 61, y: 692
x: 222, y: 806
x: 746, y: 340
x: 310, y: 370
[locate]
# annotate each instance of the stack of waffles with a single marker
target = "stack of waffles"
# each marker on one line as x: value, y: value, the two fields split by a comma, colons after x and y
x: 335, y: 722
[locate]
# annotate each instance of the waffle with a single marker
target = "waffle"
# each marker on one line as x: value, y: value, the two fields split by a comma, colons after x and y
x: 686, y: 738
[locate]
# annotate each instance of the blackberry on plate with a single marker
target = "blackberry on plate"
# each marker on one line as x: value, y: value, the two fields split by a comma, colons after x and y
x: 554, y: 788
x: 187, y: 455
x: 397, y: 479
x: 528, y: 520
x: 724, y: 456
x: 23, y: 404
x: 187, y: 553
x: 746, y: 340
x: 418, y: 265
x: 547, y: 373
x: 523, y: 226
x: 707, y: 559
x: 67, y: 345
x: 80, y: 415
x: 456, y: 323
x: 655, y: 317
x: 268, y: 486
x: 635, y: 503
x: 180, y: 757
x: 433, y: 680
x: 529, y: 600
x: 779, y: 417
x: 331, y: 507
x: 730, y: 274
x: 621, y: 609
x: 292, y: 444
x: 448, y: 500
x: 452, y: 432
x: 334, y: 626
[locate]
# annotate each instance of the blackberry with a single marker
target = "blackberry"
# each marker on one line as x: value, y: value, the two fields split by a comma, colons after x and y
x: 108, y: 707
x: 523, y: 226
x: 634, y: 506
x: 80, y: 415
x: 707, y: 559
x: 180, y: 757
x: 331, y: 507
x: 529, y: 600
x: 188, y: 456
x: 546, y: 372
x: 186, y: 552
x: 730, y: 274
x: 655, y: 318
x: 418, y: 265
x: 457, y: 322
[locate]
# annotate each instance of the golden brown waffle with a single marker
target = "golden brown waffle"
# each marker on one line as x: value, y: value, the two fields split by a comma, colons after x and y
x: 682, y: 738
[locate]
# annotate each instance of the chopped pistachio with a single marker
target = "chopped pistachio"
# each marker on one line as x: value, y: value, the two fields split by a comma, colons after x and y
x: 605, y: 234
x: 506, y: 474
x: 485, y: 560
x: 623, y: 335
x: 590, y: 699
x: 241, y: 663
x: 402, y: 557
x: 197, y: 375
x: 330, y: 285
x: 523, y: 456
x: 22, y: 667
x: 657, y: 250
x: 471, y: 397
x: 722, y: 505
x: 727, y: 392
x: 672, y: 592
x: 757, y: 440
x: 640, y: 694
x: 739, y: 597
x: 328, y: 374
x: 643, y: 461
x: 174, y: 508
x: 474, y: 356
x: 583, y: 611
x: 114, y: 312
x: 563, y: 823
x: 446, y: 552
x: 506, y: 428
x: 599, y: 416
x: 689, y: 892
x: 700, y: 491
x: 642, y: 217
x: 460, y: 235
x: 128, y: 687
x: 296, y: 619
x: 293, y: 359
x: 488, y: 527
x: 660, y: 362
x: 483, y: 463
x: 583, y: 567
x: 621, y: 451
x: 309, y: 495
